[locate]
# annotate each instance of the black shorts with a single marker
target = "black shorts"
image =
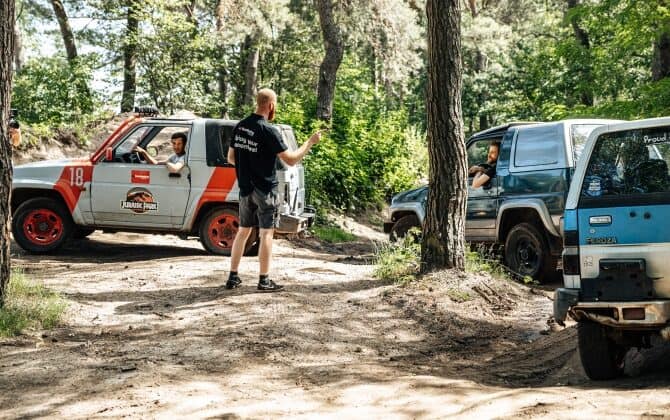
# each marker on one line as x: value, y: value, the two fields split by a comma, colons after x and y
x: 259, y: 209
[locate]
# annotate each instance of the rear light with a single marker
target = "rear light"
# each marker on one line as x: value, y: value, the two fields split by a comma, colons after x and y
x: 571, y: 261
x: 571, y: 238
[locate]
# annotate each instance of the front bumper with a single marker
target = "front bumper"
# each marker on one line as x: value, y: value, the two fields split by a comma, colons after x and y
x: 647, y: 314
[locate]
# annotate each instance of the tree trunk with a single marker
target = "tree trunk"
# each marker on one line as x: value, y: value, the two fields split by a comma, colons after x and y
x: 6, y: 59
x: 130, y: 56
x: 222, y: 71
x: 443, y: 244
x: 660, y: 66
x: 582, y: 38
x: 334, y: 46
x: 65, y: 30
x: 252, y: 53
x: 473, y: 7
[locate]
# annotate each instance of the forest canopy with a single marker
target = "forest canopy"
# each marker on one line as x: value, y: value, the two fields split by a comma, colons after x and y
x: 522, y: 60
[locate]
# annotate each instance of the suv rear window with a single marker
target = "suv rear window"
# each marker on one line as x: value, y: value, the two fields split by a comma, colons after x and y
x: 629, y: 166
x: 538, y: 146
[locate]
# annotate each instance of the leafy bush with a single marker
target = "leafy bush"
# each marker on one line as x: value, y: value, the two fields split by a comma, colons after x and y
x: 51, y: 90
x: 371, y: 151
x: 29, y: 305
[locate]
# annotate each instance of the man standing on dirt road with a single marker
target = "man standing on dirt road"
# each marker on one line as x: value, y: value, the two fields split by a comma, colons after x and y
x: 254, y: 150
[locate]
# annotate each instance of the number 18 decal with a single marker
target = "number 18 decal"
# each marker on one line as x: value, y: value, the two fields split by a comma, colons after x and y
x: 77, y: 177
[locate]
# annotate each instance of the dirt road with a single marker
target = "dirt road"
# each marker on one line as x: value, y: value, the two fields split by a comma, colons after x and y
x: 151, y: 332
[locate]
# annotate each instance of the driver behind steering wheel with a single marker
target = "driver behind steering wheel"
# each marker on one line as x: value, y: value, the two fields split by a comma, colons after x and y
x: 176, y: 161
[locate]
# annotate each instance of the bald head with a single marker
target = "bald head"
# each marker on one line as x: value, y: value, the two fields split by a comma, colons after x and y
x: 266, y: 103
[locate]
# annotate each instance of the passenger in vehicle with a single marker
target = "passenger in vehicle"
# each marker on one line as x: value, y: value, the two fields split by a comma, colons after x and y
x: 484, y: 172
x: 176, y: 161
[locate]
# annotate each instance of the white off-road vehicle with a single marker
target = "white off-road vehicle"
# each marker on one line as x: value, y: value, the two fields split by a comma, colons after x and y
x: 616, y: 258
x: 116, y: 190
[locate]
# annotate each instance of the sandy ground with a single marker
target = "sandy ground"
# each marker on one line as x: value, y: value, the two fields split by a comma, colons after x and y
x: 152, y: 333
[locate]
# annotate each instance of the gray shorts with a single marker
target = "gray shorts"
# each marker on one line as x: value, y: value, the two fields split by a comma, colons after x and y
x: 259, y: 209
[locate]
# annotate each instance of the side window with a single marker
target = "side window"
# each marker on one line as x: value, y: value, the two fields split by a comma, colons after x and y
x: 130, y: 142
x: 225, y: 135
x: 162, y: 141
x: 218, y: 138
x: 580, y: 133
x: 539, y: 146
x: 478, y: 152
x: 628, y: 163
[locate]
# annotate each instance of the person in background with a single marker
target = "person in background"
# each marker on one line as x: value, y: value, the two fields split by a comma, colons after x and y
x: 484, y: 172
x: 255, y: 147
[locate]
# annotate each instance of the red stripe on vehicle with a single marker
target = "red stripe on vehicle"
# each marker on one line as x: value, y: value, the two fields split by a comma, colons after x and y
x: 73, y: 181
x: 218, y: 187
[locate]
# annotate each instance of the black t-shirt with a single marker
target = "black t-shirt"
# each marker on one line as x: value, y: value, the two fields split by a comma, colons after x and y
x: 490, y: 171
x: 256, y: 145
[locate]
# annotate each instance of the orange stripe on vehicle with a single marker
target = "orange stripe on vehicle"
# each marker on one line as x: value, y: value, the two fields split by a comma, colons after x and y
x: 218, y: 187
x: 72, y: 181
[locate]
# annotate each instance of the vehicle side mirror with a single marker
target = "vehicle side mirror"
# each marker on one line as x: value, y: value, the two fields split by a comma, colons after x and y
x: 109, y: 154
x: 153, y: 152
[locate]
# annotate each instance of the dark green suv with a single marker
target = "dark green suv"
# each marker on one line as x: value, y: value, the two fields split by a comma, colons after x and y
x: 522, y: 203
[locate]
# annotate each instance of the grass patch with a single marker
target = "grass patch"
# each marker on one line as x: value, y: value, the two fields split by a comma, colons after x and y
x: 29, y: 305
x: 459, y: 295
x: 398, y: 261
x: 484, y: 260
x: 332, y: 234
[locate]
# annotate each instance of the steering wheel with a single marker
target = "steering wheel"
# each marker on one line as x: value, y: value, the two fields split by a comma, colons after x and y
x: 132, y: 157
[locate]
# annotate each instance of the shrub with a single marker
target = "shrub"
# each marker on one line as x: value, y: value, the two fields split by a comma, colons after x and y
x: 399, y: 261
x: 29, y: 305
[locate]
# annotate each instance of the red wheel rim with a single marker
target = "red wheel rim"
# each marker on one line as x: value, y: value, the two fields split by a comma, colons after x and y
x: 222, y: 230
x: 43, y: 227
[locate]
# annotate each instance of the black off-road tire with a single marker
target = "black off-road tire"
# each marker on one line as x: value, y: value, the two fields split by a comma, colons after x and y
x: 42, y: 225
x: 218, y: 229
x: 602, y: 358
x: 403, y: 225
x: 82, y: 232
x: 527, y: 253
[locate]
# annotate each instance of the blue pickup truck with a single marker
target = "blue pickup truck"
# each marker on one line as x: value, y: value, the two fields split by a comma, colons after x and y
x: 523, y: 203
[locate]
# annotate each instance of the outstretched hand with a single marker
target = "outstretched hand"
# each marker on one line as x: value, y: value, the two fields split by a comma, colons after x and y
x: 316, y: 137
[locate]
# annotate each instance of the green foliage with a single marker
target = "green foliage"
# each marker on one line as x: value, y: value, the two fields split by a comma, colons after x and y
x: 371, y: 151
x: 29, y: 305
x: 332, y: 234
x: 399, y: 261
x: 51, y: 90
x: 483, y: 260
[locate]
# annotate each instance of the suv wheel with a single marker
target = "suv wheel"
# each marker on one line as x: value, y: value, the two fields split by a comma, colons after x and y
x: 527, y: 253
x: 218, y: 230
x: 82, y: 232
x: 41, y: 225
x: 601, y: 357
x: 403, y: 225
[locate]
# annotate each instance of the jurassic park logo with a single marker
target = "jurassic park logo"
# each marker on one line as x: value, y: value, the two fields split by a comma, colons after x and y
x: 139, y: 200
